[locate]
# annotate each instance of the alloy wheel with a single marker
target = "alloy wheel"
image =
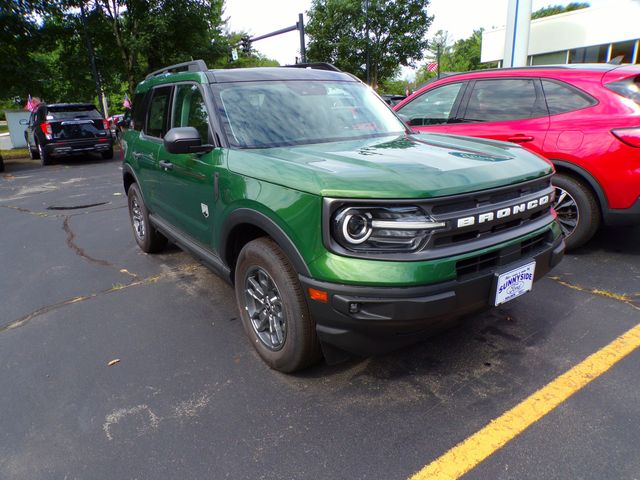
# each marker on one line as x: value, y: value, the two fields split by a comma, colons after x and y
x: 567, y: 210
x: 265, y: 308
x: 137, y: 219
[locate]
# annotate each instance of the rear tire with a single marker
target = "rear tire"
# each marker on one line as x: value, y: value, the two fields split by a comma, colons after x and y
x: 147, y: 237
x: 274, y: 312
x: 45, y: 158
x: 577, y: 209
x: 108, y: 154
x: 33, y: 152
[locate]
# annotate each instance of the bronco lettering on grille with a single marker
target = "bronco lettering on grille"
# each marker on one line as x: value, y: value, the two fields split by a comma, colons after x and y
x: 503, y: 212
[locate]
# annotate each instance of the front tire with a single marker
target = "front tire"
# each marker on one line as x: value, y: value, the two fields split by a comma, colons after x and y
x: 273, y: 308
x: 147, y: 237
x: 577, y: 209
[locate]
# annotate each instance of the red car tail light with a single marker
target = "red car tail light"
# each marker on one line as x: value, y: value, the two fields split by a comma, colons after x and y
x: 628, y: 88
x: 105, y: 124
x: 46, y: 129
x: 630, y: 136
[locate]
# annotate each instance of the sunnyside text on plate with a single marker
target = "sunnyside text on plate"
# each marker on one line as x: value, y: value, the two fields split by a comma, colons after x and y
x: 514, y: 283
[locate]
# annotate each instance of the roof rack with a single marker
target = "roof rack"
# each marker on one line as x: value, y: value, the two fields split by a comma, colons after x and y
x: 192, y: 66
x: 316, y: 66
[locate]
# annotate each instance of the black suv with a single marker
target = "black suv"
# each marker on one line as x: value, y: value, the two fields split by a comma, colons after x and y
x: 67, y: 128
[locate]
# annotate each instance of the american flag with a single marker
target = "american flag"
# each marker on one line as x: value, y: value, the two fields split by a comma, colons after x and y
x: 126, y: 103
x: 432, y: 67
x: 31, y: 105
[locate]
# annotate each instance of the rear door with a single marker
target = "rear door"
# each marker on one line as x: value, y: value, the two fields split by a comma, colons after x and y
x: 186, y: 193
x: 508, y: 109
x: 433, y: 110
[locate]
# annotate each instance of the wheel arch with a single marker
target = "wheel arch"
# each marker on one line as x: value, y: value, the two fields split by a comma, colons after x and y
x: 245, y: 225
x: 590, y: 182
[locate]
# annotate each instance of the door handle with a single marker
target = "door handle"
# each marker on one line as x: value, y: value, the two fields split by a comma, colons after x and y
x: 520, y: 138
x: 166, y: 165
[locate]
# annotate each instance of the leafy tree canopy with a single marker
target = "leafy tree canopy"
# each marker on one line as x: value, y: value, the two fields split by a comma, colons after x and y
x: 460, y: 56
x: 556, y: 9
x: 43, y: 44
x: 397, y: 35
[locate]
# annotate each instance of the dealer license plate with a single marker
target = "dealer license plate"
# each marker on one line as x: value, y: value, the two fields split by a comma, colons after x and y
x: 514, y: 283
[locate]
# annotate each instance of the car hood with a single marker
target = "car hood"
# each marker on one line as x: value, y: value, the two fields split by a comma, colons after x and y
x: 408, y: 166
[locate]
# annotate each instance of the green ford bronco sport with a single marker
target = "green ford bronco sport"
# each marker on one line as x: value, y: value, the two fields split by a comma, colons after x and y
x: 340, y: 228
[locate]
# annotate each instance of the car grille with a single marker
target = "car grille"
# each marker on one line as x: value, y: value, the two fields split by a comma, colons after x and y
x: 452, y: 209
x: 483, y: 263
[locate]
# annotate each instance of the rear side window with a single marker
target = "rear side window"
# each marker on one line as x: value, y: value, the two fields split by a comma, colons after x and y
x: 504, y: 100
x: 156, y: 125
x: 563, y: 98
x: 137, y: 114
x: 433, y: 107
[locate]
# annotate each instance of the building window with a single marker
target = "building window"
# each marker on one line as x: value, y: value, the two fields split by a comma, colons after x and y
x: 595, y: 54
x: 625, y: 49
x: 553, y: 58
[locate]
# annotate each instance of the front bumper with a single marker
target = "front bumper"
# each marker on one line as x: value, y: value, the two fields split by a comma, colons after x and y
x: 85, y: 146
x: 375, y: 320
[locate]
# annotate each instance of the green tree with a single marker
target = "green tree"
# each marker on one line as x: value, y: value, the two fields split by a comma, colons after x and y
x: 461, y: 56
x: 556, y: 9
x: 397, y: 35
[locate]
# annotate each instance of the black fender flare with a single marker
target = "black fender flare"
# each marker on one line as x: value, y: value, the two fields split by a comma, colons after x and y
x: 252, y: 217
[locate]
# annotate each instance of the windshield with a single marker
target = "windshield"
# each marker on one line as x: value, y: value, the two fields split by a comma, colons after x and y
x: 72, y: 112
x: 278, y: 113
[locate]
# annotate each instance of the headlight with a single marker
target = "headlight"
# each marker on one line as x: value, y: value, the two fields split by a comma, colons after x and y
x: 382, y: 229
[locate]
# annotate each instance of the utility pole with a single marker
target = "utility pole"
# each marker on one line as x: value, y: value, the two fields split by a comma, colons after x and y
x: 303, y: 50
x: 438, y: 60
x: 366, y: 22
x: 92, y: 60
x: 298, y: 26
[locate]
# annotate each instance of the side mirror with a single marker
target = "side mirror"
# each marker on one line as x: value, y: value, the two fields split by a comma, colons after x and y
x: 185, y: 140
x: 23, y: 121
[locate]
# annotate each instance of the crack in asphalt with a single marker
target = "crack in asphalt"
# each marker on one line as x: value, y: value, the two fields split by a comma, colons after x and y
x: 77, y: 249
x: 600, y: 292
x: 27, y: 211
x: 188, y: 268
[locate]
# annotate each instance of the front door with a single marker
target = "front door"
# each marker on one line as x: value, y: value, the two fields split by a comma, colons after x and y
x: 187, y: 192
x: 507, y: 109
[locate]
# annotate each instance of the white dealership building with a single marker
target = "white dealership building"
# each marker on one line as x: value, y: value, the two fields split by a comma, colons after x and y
x: 594, y: 34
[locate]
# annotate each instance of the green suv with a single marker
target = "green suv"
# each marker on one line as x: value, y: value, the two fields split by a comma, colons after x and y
x: 340, y: 228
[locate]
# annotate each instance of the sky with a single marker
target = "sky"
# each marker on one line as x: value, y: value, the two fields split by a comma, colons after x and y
x: 458, y: 17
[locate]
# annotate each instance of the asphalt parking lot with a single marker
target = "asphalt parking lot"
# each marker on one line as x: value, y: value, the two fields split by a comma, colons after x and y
x: 190, y: 399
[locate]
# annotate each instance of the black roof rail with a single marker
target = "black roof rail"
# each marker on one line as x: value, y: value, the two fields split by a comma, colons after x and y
x: 192, y: 66
x: 316, y: 66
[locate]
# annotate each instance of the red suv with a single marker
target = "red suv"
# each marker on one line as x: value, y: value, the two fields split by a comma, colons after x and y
x: 584, y: 118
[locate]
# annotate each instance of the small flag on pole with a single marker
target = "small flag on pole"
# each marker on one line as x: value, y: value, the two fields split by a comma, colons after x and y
x: 432, y: 67
x: 126, y: 103
x: 30, y: 104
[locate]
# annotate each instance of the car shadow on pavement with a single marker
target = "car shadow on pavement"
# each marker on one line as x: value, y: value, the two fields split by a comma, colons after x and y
x: 613, y: 240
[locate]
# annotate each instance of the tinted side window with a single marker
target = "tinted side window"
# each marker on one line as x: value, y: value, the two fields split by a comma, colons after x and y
x: 189, y: 110
x: 432, y: 107
x: 137, y: 114
x: 564, y: 98
x: 156, y: 125
x: 503, y: 100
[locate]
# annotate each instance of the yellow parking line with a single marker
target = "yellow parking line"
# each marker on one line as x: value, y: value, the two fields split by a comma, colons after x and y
x: 470, y: 452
